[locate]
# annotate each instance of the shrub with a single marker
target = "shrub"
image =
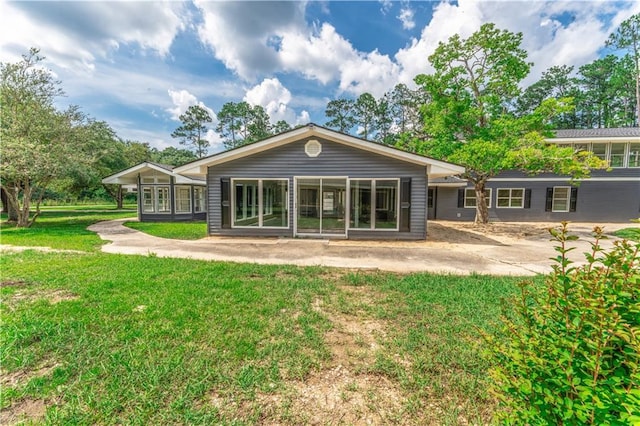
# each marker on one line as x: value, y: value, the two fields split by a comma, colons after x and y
x: 568, y: 352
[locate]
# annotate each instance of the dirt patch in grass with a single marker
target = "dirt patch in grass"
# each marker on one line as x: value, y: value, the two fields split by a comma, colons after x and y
x: 53, y: 296
x: 344, y: 391
x: 24, y: 411
x: 21, y: 377
x: 10, y: 283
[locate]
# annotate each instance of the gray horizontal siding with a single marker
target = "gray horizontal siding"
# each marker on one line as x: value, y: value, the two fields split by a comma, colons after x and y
x: 158, y: 217
x: 613, y: 173
x: 598, y: 201
x: 335, y: 160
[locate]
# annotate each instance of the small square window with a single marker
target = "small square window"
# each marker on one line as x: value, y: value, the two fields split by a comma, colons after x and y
x: 510, y: 198
x: 470, y: 198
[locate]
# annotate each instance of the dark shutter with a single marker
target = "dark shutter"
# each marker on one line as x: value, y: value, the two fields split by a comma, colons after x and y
x: 573, y: 201
x: 460, y: 198
x: 549, y: 202
x: 405, y: 204
x: 527, y: 198
x: 225, y: 192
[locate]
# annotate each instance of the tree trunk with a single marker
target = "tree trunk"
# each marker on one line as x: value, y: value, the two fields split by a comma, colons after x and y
x: 7, y: 207
x: 482, y: 212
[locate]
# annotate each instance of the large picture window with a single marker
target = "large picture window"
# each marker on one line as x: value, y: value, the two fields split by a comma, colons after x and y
x: 261, y: 203
x: 470, y: 198
x: 510, y: 198
x: 183, y: 199
x: 155, y: 199
x: 374, y: 204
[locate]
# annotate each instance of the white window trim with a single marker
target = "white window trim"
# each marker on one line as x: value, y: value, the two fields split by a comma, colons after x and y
x: 296, y: 179
x: 628, y: 156
x: 175, y: 198
x: 155, y: 199
x: 373, y: 206
x: 625, y: 156
x: 568, y: 199
x: 203, y: 190
x: 260, y: 204
x: 498, y: 206
x: 490, y: 197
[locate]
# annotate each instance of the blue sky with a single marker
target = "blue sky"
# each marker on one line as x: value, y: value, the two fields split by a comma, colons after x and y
x: 139, y: 65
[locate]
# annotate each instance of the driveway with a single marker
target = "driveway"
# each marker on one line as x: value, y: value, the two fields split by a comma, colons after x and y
x: 449, y: 249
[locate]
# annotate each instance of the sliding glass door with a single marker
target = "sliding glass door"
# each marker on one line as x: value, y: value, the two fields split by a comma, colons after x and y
x: 321, y: 206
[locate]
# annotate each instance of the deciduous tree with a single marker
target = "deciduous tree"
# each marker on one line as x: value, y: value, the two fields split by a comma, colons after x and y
x: 468, y: 118
x: 38, y: 141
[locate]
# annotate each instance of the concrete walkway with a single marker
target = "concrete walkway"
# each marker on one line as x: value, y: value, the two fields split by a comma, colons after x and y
x: 500, y: 256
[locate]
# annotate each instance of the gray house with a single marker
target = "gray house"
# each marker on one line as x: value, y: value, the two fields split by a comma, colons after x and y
x: 163, y: 195
x: 316, y: 182
x: 607, y: 196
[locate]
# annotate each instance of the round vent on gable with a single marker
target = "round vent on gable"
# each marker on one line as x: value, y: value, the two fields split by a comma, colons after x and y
x: 313, y: 148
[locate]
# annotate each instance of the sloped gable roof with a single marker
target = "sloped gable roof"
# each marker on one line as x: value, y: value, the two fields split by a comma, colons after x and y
x: 435, y: 168
x: 130, y: 176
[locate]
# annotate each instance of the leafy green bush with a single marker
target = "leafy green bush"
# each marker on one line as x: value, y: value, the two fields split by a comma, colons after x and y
x: 569, y: 351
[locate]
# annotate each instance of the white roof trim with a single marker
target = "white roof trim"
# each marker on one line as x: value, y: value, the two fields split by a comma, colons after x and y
x: 435, y: 168
x: 130, y: 176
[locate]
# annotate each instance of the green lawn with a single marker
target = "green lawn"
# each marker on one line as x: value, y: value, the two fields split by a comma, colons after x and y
x: 177, y: 230
x: 99, y: 338
x: 61, y: 229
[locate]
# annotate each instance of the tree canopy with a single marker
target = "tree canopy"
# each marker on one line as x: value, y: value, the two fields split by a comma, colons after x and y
x: 39, y: 142
x: 193, y: 130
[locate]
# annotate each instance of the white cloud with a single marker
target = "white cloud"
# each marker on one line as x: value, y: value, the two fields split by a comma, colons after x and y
x: 546, y: 39
x: 74, y: 34
x: 406, y: 17
x: 317, y: 55
x: 244, y: 35
x: 181, y: 100
x: 275, y: 99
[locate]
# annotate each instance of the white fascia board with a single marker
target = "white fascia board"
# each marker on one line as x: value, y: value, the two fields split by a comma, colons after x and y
x: 439, y: 168
x: 130, y: 176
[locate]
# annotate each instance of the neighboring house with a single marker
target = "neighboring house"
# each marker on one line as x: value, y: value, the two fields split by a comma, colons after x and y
x: 316, y: 182
x: 607, y: 196
x: 163, y: 195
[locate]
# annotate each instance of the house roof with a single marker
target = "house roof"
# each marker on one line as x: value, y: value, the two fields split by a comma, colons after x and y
x: 435, y: 168
x: 130, y: 176
x: 617, y: 133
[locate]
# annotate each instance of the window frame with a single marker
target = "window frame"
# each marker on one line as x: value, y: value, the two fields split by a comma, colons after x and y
x: 630, y: 151
x: 510, y: 198
x: 260, y: 205
x: 374, y: 196
x: 622, y: 156
x: 176, y: 199
x: 567, y: 199
x: 155, y: 190
x: 199, y: 199
x: 489, y: 197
